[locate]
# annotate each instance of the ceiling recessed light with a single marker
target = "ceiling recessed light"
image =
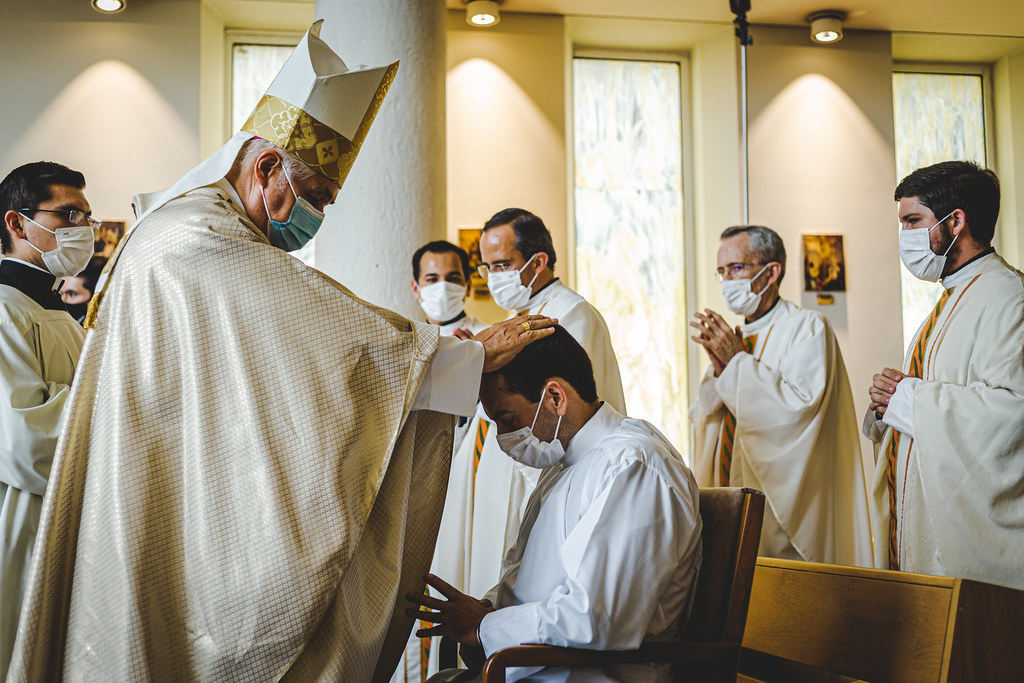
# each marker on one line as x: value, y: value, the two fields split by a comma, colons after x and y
x: 482, y: 13
x: 827, y: 26
x: 108, y: 6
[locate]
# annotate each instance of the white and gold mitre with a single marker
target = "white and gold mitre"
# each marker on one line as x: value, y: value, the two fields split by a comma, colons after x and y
x: 318, y: 109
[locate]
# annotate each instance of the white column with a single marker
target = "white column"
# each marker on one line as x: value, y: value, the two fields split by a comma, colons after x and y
x: 394, y: 198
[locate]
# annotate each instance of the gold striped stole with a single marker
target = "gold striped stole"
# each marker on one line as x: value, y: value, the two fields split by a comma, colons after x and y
x: 892, y: 452
x: 729, y: 429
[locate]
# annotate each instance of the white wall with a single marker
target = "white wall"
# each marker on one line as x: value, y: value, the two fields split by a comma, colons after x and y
x: 822, y: 161
x: 506, y: 127
x: 113, y: 96
x: 1008, y: 84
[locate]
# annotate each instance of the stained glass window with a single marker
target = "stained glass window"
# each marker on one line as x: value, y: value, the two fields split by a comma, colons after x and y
x: 628, y: 195
x: 937, y: 117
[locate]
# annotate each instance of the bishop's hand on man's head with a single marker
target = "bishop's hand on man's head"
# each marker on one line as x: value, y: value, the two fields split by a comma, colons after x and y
x: 502, y: 341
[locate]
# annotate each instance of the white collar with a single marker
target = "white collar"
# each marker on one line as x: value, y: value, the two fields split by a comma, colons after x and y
x: 225, y: 184
x: 966, y: 273
x: 765, y: 320
x: 591, y: 434
x: 542, y: 296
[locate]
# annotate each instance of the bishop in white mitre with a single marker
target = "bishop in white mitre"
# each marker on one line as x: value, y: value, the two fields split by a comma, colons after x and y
x: 250, y: 476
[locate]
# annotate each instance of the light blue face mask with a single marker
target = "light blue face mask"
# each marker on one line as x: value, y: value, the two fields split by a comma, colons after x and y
x: 303, y: 221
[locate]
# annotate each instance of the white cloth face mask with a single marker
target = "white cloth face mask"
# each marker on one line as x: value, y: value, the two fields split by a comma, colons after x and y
x: 740, y: 297
x: 917, y: 255
x: 73, y: 252
x: 525, y: 448
x: 508, y: 289
x: 442, y: 300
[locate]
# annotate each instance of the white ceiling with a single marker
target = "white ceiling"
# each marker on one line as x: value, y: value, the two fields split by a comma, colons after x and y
x: 981, y: 17
x: 979, y: 31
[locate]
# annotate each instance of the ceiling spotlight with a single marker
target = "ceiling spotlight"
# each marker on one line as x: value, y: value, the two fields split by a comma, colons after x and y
x: 827, y: 26
x: 482, y: 13
x: 108, y: 6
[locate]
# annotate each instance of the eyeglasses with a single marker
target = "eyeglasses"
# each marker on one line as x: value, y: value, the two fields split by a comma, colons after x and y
x: 73, y: 216
x: 484, y: 269
x: 734, y: 269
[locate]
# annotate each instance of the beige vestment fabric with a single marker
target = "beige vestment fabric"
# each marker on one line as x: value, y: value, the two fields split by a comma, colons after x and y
x: 960, y: 480
x: 39, y: 349
x: 233, y: 497
x: 796, y: 438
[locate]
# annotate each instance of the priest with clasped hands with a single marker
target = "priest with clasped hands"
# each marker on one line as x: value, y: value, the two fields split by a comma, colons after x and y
x: 250, y: 477
x: 775, y: 411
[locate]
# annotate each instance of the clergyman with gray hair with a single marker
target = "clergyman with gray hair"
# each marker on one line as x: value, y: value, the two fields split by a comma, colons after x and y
x: 775, y: 410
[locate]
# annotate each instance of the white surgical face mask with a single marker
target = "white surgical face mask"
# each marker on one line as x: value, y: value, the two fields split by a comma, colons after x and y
x: 740, y: 297
x: 508, y: 289
x: 917, y: 255
x: 524, y: 447
x: 74, y: 249
x: 442, y: 300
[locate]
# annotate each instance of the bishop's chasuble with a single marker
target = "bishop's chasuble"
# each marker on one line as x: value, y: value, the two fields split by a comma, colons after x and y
x: 958, y: 479
x: 795, y: 438
x: 243, y: 492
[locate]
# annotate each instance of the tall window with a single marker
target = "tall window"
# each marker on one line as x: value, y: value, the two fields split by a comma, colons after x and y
x: 937, y: 117
x: 253, y: 68
x: 628, y: 194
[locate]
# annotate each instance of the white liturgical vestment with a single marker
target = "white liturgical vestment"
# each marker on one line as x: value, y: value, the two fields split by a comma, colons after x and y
x: 501, y: 486
x: 959, y: 474
x: 608, y: 552
x: 39, y: 349
x: 795, y: 438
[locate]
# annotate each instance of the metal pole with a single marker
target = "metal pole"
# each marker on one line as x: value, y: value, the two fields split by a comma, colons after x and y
x: 744, y: 165
x: 740, y: 9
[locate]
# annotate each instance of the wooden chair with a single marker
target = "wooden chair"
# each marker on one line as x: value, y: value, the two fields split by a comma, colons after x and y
x: 709, y: 646
x: 820, y: 622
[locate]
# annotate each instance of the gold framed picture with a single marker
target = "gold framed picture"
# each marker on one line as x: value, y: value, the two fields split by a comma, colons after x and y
x: 469, y: 239
x: 824, y: 263
x: 107, y: 236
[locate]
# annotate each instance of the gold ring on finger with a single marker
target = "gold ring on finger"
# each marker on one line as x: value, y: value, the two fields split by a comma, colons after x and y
x: 526, y: 325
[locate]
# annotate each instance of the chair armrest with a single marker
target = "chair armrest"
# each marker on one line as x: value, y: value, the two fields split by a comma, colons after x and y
x: 549, y: 655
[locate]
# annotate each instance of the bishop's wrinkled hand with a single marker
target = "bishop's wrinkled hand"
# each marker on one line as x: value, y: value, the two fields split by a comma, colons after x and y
x: 502, y: 341
x: 458, y: 617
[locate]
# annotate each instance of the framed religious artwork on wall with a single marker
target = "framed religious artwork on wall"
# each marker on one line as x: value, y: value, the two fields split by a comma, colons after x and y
x: 469, y: 239
x: 107, y: 236
x: 824, y: 263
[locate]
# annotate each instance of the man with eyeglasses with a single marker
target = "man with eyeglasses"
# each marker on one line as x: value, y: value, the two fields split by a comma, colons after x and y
x: 775, y: 410
x: 519, y: 264
x: 46, y: 235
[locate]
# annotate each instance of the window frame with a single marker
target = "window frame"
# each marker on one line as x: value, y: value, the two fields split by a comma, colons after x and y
x: 682, y: 59
x: 987, y: 103
x: 233, y: 37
